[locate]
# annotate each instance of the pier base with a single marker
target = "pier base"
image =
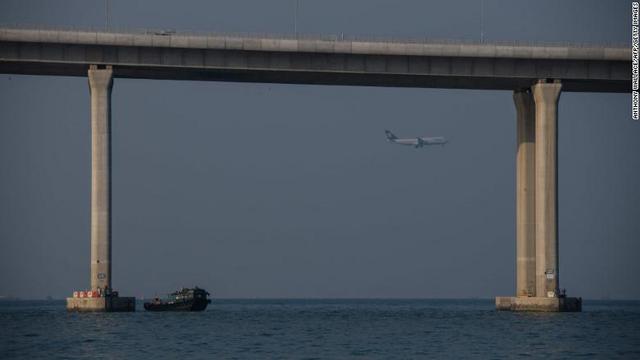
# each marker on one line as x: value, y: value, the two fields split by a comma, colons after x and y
x: 102, y: 304
x: 542, y: 304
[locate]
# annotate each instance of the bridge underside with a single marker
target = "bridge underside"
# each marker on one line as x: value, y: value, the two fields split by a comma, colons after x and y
x: 453, y: 72
x: 310, y: 77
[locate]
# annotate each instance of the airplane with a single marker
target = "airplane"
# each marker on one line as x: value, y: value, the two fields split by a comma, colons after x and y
x: 418, y: 142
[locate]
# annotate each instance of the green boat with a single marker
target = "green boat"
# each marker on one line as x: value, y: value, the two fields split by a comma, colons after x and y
x: 195, y: 299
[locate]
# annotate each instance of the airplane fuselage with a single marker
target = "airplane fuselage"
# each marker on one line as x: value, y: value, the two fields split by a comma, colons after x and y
x: 417, y: 142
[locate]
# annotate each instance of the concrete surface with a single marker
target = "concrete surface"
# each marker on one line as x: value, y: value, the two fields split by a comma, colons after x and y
x: 315, y: 61
x: 537, y: 257
x: 326, y: 44
x: 546, y: 96
x: 541, y: 304
x: 102, y: 304
x: 525, y: 194
x: 100, y: 85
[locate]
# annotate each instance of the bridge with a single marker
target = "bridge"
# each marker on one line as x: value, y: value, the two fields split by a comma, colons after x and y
x: 161, y: 55
x: 536, y: 73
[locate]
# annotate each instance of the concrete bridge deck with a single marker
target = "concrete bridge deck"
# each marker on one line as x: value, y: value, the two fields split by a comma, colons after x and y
x: 326, y: 61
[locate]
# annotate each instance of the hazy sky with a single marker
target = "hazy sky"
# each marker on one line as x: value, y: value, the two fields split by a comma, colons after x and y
x: 261, y: 190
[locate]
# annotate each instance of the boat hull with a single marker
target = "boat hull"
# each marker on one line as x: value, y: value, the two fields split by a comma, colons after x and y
x: 182, y: 306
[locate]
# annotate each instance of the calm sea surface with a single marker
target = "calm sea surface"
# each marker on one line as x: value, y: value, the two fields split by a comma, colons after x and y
x: 322, y: 329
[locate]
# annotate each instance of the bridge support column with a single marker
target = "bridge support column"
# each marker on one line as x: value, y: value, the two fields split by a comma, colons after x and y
x: 546, y: 97
x: 100, y: 84
x: 537, y: 284
x: 525, y: 195
x: 101, y: 297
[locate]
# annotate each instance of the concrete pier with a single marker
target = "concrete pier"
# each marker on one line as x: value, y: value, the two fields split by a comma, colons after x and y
x: 539, y: 304
x: 537, y: 260
x: 546, y: 97
x: 525, y: 195
x: 100, y: 85
x: 102, y: 304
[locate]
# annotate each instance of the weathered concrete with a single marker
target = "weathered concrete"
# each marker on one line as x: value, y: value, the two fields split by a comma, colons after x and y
x: 100, y: 85
x: 326, y: 44
x: 102, y: 304
x: 546, y: 97
x: 537, y: 265
x: 542, y: 304
x: 315, y: 61
x: 525, y: 195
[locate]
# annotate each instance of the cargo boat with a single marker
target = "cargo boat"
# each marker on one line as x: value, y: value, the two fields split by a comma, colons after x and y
x: 182, y: 300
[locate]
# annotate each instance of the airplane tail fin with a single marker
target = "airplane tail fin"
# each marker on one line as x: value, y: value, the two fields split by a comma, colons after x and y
x: 390, y: 135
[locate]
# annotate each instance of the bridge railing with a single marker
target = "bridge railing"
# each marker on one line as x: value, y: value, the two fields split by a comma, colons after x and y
x: 303, y: 36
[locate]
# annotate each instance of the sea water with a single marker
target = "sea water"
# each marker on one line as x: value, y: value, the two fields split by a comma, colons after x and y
x: 321, y: 329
